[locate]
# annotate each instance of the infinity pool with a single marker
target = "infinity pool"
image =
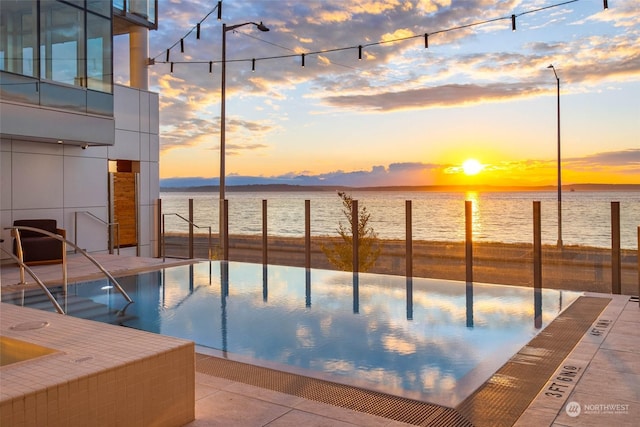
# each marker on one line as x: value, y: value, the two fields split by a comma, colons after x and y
x: 434, y: 340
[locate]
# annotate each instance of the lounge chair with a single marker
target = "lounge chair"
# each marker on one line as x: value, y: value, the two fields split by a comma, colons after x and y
x: 38, y: 248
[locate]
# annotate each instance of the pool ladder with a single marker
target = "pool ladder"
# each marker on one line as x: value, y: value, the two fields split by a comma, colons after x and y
x: 15, y: 231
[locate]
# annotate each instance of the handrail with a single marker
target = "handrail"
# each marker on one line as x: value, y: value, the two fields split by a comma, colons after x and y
x: 108, y: 224
x: 190, y: 223
x: 64, y: 262
x: 38, y: 281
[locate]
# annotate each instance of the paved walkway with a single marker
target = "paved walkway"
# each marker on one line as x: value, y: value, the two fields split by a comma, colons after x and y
x: 598, y: 384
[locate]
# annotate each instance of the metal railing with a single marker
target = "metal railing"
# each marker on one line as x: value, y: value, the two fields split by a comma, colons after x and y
x: 110, y: 227
x: 554, y: 256
x: 44, y: 288
x: 191, y: 224
x: 15, y: 231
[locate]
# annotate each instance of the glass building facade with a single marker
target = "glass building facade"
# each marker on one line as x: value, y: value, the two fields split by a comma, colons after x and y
x: 58, y: 54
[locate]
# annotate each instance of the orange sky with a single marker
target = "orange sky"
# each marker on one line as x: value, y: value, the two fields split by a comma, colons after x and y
x: 404, y: 114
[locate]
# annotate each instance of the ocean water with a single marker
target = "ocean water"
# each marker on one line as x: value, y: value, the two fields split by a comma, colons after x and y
x: 436, y: 216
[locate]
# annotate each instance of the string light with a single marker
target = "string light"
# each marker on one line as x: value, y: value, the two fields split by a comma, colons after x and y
x: 605, y: 4
x: 196, y: 27
x: 218, y: 7
x: 172, y: 67
x: 253, y: 65
x: 210, y: 67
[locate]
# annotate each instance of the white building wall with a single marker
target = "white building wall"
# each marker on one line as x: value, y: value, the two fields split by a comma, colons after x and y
x: 48, y: 180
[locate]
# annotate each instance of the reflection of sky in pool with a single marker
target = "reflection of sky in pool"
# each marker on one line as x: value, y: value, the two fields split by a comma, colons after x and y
x: 436, y: 340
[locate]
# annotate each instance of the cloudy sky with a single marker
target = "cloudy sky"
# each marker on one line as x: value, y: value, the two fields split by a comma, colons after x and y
x: 403, y: 114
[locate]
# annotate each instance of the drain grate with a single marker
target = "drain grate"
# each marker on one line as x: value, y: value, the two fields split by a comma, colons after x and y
x: 503, y: 398
x: 371, y: 402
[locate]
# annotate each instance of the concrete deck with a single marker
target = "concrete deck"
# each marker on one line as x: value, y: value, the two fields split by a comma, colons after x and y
x: 598, y: 383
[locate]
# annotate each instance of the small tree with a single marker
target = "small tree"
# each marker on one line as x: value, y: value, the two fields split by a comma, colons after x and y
x: 341, y: 254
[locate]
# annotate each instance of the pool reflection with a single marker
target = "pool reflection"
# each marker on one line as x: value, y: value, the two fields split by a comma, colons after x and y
x: 417, y: 337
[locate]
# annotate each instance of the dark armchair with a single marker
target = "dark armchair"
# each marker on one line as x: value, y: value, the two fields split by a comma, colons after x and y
x: 38, y: 248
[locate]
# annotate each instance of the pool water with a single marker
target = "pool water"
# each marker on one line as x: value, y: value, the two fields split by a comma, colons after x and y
x: 434, y: 340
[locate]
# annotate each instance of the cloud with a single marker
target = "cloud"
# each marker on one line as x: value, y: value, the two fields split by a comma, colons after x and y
x: 437, y: 96
x: 455, y: 71
x: 417, y: 173
x: 625, y: 161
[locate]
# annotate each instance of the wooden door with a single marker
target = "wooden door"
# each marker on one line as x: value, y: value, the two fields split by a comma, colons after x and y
x: 124, y: 201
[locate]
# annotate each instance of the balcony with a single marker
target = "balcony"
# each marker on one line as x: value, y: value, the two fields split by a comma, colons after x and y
x: 134, y: 13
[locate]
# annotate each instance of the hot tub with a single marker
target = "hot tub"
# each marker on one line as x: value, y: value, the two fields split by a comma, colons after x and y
x: 13, y: 350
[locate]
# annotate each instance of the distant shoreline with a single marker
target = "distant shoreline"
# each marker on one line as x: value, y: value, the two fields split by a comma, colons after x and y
x: 423, y: 188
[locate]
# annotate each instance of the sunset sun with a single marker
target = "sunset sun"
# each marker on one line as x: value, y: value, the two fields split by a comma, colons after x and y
x: 471, y: 167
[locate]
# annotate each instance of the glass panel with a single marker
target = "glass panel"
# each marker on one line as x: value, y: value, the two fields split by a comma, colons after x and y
x: 62, y: 43
x: 18, y: 37
x: 153, y: 4
x: 100, y: 103
x: 66, y: 97
x: 99, y: 68
x: 139, y: 7
x: 19, y: 88
x: 119, y: 4
x: 102, y: 7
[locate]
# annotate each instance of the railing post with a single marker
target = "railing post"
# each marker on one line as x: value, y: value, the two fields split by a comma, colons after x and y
x: 20, y: 255
x: 408, y: 240
x: 616, y: 265
x: 162, y: 249
x: 265, y: 254
x: 64, y: 271
x: 468, y: 219
x: 75, y: 230
x: 355, y: 220
x: 190, y: 228
x: 117, y: 224
x: 537, y: 246
x: 110, y: 232
x: 307, y: 234
x: 225, y: 251
x: 159, y: 231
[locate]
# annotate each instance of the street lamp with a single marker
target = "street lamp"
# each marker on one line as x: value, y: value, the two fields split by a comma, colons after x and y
x: 559, y: 175
x: 226, y: 28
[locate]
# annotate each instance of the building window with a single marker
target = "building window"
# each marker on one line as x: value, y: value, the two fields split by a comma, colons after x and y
x: 62, y: 48
x: 18, y: 38
x: 67, y: 44
x: 99, y: 52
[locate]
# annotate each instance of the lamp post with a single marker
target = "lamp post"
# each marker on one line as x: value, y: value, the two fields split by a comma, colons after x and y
x: 559, y: 167
x: 226, y: 28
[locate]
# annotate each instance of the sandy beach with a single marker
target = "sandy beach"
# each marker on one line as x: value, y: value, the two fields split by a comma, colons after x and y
x: 572, y: 267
